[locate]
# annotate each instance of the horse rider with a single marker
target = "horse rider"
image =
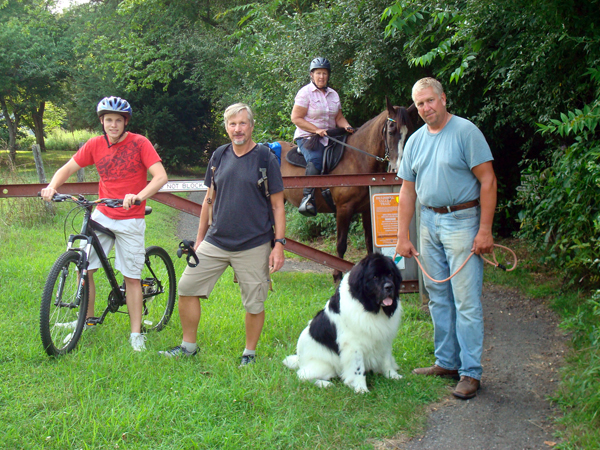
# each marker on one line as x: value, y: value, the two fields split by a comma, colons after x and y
x: 317, y: 108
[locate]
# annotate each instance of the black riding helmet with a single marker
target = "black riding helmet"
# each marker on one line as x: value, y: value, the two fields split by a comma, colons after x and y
x: 320, y: 63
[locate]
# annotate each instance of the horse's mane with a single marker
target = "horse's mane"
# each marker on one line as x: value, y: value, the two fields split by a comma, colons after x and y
x: 372, y: 121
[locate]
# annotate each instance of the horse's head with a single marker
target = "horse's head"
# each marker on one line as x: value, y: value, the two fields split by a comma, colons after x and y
x: 396, y: 130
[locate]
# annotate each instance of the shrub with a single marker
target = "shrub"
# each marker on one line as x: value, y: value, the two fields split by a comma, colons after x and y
x: 66, y: 140
x: 561, y: 212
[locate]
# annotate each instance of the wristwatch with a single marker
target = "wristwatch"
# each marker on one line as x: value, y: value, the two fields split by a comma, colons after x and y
x: 282, y: 241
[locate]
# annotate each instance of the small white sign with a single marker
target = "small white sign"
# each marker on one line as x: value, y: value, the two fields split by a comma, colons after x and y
x: 184, y: 186
x: 390, y: 252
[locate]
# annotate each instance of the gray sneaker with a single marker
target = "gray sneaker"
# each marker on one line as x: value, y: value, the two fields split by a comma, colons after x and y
x: 178, y: 351
x: 247, y: 359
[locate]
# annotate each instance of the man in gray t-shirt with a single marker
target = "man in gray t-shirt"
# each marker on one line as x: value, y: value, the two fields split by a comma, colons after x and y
x: 447, y: 165
x: 238, y: 233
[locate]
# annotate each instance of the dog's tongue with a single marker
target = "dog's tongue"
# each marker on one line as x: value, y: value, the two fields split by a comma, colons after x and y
x: 387, y: 301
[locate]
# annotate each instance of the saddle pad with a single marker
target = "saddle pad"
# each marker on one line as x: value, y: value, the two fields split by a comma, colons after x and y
x: 295, y: 158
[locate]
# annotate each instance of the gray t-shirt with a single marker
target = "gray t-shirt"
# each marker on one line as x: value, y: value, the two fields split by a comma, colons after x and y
x: 440, y: 164
x: 240, y: 212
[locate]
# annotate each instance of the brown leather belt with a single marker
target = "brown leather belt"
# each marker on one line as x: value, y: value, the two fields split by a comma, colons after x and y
x: 448, y: 209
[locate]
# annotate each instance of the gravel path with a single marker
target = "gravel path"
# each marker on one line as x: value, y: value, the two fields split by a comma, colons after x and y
x: 523, y: 350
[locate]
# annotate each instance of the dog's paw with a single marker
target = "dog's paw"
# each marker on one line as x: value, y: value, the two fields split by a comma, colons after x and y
x: 361, y: 389
x: 323, y: 383
x: 292, y: 362
x: 394, y: 376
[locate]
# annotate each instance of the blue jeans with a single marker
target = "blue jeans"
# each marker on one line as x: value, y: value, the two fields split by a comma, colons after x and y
x: 455, y: 306
x: 314, y: 155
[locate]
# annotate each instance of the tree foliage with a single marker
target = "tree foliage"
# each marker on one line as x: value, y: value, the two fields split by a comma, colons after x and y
x: 508, y: 66
x: 560, y: 209
x: 34, y: 62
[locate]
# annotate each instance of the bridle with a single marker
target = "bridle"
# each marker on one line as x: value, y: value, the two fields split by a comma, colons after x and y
x: 384, y: 133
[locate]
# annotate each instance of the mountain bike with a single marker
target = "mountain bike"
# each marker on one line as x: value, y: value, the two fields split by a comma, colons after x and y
x: 65, y: 296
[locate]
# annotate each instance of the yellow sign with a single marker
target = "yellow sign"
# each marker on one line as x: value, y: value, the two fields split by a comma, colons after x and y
x: 384, y: 216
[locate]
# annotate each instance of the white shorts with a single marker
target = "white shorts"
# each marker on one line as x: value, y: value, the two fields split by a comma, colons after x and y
x: 129, y: 244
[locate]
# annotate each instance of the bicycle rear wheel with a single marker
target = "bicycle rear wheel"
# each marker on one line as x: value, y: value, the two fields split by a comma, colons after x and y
x: 159, y: 287
x: 62, y: 311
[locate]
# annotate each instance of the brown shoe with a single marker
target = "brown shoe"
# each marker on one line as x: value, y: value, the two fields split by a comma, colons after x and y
x: 437, y: 371
x: 466, y: 388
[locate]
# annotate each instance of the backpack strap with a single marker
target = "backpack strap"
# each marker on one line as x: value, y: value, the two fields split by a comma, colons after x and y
x: 263, y: 181
x: 216, y: 159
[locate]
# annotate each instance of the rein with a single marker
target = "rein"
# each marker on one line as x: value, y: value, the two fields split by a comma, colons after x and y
x: 378, y: 158
x: 495, y: 263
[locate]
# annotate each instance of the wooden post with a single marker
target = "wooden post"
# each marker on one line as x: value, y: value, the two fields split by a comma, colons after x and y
x: 81, y: 172
x: 39, y: 167
x: 39, y: 164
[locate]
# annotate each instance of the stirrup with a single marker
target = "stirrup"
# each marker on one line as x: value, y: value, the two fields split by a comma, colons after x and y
x: 307, y: 207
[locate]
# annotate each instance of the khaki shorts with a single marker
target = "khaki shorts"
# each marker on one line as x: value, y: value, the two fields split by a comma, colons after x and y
x: 251, y: 268
x: 130, y: 253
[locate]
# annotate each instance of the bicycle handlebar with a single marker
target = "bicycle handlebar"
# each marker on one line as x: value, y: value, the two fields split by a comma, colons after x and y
x: 82, y: 201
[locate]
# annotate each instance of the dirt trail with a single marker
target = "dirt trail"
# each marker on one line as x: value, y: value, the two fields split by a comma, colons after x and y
x: 523, y: 350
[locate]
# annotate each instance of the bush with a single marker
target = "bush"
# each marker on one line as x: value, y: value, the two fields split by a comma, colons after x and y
x: 561, y: 213
x: 579, y: 394
x: 322, y: 226
x: 25, y: 143
x: 67, y: 141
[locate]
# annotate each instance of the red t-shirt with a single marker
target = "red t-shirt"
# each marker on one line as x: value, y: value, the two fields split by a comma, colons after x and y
x: 123, y: 169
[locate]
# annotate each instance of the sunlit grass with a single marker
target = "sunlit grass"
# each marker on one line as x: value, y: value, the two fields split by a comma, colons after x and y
x: 104, y: 395
x: 63, y: 140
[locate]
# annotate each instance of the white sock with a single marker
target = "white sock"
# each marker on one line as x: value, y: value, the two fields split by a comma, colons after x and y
x: 249, y: 352
x: 135, y: 334
x: 189, y: 346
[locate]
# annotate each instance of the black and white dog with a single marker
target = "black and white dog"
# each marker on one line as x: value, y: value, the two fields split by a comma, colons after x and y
x: 354, y: 332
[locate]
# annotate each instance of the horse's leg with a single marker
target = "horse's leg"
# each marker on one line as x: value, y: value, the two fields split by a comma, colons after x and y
x: 343, y: 218
x: 368, y: 228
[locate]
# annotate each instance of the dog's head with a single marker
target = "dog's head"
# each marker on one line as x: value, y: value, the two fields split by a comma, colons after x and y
x: 375, y: 282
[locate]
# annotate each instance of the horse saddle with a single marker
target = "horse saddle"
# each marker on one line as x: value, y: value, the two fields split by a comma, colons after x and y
x: 331, y: 155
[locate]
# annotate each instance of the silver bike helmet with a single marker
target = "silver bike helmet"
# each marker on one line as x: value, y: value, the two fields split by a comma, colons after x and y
x: 114, y: 105
x: 320, y: 63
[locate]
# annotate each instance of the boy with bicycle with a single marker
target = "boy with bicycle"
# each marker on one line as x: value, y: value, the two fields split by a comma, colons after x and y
x: 123, y: 160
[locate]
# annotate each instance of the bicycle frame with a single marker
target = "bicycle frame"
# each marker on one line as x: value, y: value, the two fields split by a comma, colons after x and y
x: 89, y: 235
x: 65, y: 291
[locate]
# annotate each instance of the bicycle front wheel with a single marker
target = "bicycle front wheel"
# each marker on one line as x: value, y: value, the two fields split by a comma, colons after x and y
x: 159, y: 287
x: 64, y: 306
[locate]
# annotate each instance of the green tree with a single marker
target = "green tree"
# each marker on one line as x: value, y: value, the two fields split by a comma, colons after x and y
x: 144, y: 51
x: 506, y: 66
x: 34, y: 62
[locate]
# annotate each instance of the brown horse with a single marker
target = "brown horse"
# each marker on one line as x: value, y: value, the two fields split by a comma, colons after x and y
x: 383, y: 136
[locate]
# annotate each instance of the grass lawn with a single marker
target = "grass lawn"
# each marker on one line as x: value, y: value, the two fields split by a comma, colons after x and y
x: 104, y: 395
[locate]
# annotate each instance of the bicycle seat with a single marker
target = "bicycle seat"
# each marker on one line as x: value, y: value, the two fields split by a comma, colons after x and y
x: 148, y: 210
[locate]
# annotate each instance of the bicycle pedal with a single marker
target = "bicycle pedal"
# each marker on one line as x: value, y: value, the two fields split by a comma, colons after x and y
x: 92, y: 321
